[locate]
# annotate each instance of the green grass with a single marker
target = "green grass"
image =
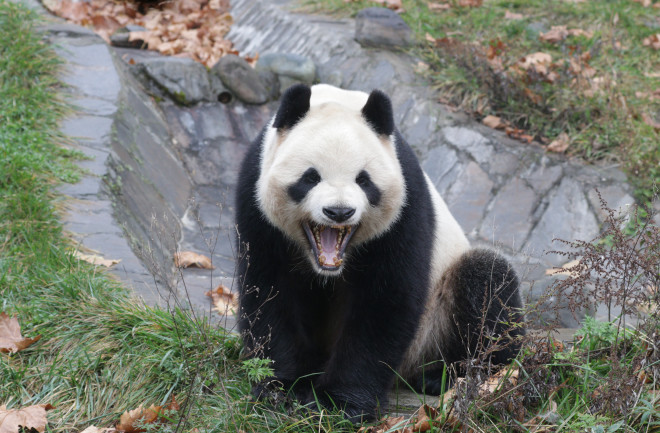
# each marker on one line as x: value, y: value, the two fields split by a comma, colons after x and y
x: 605, y: 124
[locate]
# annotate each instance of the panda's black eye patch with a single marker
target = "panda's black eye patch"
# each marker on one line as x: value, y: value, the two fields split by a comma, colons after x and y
x: 309, y: 179
x: 370, y: 189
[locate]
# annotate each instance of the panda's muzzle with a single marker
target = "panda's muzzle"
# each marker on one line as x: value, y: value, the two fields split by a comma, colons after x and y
x: 328, y: 243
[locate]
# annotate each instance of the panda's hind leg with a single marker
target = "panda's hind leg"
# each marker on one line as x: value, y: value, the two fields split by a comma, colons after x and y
x: 484, y: 307
x: 475, y: 314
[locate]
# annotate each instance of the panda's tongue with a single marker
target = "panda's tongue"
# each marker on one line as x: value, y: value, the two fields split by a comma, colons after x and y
x: 329, y: 238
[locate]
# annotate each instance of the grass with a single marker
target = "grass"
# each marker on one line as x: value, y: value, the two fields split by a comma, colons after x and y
x: 102, y: 352
x: 601, y: 92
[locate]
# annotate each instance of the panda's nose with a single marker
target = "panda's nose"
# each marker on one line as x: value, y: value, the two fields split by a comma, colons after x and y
x: 339, y: 214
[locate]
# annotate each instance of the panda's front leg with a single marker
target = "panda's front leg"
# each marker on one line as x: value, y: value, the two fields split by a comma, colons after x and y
x: 362, y: 364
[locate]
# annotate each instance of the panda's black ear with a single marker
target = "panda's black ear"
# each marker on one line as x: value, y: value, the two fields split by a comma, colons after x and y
x: 378, y: 113
x: 294, y: 104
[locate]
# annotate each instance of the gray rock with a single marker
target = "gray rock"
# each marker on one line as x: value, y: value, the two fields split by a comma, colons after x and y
x: 568, y: 218
x: 241, y: 79
x: 615, y: 197
x: 290, y: 68
x: 183, y: 80
x: 271, y: 82
x: 120, y: 38
x: 471, y: 141
x: 381, y: 27
x: 468, y: 196
x: 509, y: 220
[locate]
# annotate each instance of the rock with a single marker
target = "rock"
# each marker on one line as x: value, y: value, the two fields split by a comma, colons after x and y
x: 219, y: 90
x: 184, y: 80
x: 238, y: 76
x: 120, y: 37
x: 289, y: 68
x: 381, y: 27
x: 271, y: 82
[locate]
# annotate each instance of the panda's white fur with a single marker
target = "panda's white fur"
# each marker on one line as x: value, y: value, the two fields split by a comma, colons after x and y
x: 345, y: 144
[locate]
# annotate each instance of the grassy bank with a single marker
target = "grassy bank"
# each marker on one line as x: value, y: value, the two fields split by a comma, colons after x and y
x: 101, y: 352
x: 597, y: 80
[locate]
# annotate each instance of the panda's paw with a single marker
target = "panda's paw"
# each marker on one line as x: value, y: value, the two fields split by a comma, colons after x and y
x: 356, y: 413
x: 270, y: 389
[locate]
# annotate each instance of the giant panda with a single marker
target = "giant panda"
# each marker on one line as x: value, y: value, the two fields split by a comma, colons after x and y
x: 351, y: 269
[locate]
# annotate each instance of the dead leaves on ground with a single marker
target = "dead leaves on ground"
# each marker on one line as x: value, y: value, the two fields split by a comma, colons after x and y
x: 447, y: 4
x: 224, y: 302
x: 194, y: 29
x: 134, y: 421
x: 31, y: 417
x: 11, y: 340
x: 187, y: 259
x: 96, y: 259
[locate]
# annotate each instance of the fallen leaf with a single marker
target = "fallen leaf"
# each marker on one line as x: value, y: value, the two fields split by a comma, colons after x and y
x: 31, y: 417
x: 538, y: 61
x: 559, y: 144
x: 651, y: 96
x: 494, y: 122
x: 391, y: 4
x: 95, y: 260
x: 645, y: 3
x: 564, y: 269
x: 11, y: 340
x: 555, y: 34
x: 424, y: 418
x: 518, y: 134
x: 435, y: 7
x: 494, y: 382
x: 470, y: 3
x: 224, y: 301
x: 387, y: 425
x: 129, y: 419
x: 513, y: 16
x: 651, y: 121
x: 94, y: 429
x: 652, y: 41
x: 580, y: 32
x: 186, y: 259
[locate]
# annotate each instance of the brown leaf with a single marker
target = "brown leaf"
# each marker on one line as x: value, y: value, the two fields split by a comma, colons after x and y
x: 494, y: 382
x: 435, y: 7
x: 387, y: 425
x: 580, y: 32
x: 652, y: 41
x: 74, y: 11
x: 513, y: 16
x: 424, y: 418
x: 224, y: 301
x: 538, y: 61
x: 556, y: 34
x: 31, y: 417
x: 11, y: 340
x: 559, y: 144
x: 470, y: 3
x: 651, y: 121
x: 494, y: 122
x: 95, y: 260
x: 94, y: 429
x: 645, y: 3
x: 128, y: 422
x: 186, y: 259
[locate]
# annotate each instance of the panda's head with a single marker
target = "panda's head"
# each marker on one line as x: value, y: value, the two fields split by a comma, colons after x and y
x: 330, y: 178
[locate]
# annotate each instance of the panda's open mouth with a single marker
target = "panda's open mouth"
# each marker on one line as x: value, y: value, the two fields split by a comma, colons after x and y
x: 328, y: 243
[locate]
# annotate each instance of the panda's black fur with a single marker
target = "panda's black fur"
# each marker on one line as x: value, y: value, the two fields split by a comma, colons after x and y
x: 339, y: 340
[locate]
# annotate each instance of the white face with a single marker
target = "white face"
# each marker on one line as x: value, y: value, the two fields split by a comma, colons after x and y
x: 330, y: 184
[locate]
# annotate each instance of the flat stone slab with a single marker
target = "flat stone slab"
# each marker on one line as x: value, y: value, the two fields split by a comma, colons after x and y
x: 381, y: 27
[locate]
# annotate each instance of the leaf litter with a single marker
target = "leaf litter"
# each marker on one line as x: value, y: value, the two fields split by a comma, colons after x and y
x: 193, y: 29
x: 11, y: 340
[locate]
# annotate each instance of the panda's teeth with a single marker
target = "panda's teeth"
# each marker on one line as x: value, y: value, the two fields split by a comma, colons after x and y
x: 322, y: 260
x: 337, y: 262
